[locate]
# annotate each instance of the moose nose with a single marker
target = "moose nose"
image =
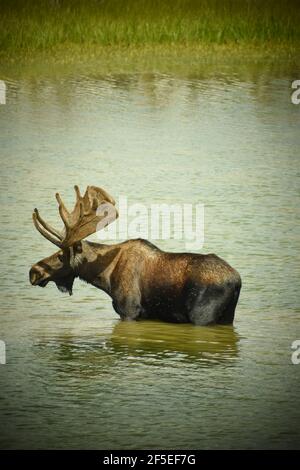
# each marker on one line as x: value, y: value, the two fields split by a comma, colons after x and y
x: 35, y: 274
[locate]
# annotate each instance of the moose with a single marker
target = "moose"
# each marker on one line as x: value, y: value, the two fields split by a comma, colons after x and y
x: 143, y: 281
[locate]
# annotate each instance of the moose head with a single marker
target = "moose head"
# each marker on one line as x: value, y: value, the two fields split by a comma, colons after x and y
x: 91, y: 212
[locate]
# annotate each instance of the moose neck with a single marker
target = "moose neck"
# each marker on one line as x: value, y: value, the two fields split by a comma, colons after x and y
x: 96, y: 264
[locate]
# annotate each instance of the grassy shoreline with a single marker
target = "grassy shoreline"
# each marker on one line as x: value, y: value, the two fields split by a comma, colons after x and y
x: 182, y: 61
x: 68, y: 30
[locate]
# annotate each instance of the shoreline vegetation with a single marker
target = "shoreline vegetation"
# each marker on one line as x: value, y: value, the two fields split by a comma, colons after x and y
x: 68, y: 31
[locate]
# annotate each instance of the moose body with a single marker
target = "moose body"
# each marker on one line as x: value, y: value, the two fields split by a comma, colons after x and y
x: 143, y: 281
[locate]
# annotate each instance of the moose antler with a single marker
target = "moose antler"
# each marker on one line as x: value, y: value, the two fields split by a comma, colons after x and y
x: 89, y: 211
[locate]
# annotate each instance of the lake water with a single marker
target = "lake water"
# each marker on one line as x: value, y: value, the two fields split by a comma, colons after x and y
x: 76, y: 377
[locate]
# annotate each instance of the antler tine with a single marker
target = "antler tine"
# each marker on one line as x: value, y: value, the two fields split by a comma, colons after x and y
x: 77, y: 191
x: 62, y: 211
x: 43, y: 231
x: 48, y: 227
x: 81, y: 210
x: 79, y: 201
x: 94, y: 204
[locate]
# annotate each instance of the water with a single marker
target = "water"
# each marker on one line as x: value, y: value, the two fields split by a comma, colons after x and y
x: 75, y: 376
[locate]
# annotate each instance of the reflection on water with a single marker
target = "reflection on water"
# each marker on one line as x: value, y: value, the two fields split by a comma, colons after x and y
x: 145, y: 341
x: 183, y: 342
x: 75, y: 375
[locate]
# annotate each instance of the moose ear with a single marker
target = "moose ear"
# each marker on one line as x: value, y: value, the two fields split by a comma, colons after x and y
x: 65, y: 284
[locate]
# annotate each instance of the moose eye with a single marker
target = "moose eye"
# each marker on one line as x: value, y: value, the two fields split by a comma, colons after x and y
x: 61, y: 257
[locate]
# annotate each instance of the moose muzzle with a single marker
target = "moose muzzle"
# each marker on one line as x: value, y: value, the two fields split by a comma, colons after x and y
x: 37, y: 276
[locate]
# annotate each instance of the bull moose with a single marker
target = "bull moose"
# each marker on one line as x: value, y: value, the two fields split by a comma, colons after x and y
x: 143, y: 281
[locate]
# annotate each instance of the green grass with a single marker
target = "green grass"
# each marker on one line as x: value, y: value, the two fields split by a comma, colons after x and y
x: 28, y: 27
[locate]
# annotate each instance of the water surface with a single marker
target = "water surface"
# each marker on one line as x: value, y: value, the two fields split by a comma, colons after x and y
x: 75, y: 376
